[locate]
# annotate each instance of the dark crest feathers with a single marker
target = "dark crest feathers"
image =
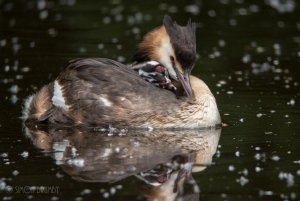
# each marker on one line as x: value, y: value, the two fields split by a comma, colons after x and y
x: 183, y: 39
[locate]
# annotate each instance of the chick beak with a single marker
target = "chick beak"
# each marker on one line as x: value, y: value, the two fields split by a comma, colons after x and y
x: 184, y: 80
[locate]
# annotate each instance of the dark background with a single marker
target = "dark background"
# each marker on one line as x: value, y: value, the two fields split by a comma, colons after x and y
x: 249, y: 55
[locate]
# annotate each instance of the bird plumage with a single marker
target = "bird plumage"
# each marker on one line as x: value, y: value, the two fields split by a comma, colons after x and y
x: 103, y: 92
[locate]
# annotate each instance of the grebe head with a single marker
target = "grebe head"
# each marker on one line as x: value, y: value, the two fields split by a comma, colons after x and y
x: 173, y: 46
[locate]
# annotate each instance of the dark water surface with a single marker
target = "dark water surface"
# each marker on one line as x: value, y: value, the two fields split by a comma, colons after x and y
x: 249, y: 55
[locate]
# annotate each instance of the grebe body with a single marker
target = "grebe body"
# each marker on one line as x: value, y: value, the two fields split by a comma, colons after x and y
x: 101, y: 92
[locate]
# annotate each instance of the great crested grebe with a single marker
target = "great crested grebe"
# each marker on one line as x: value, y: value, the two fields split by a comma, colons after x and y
x: 99, y: 92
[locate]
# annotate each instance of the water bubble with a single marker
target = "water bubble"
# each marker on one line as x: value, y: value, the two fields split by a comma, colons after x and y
x: 212, y: 13
x: 25, y: 154
x: 291, y: 102
x: 231, y: 168
x: 41, y: 4
x: 258, y: 169
x: 242, y: 180
x: 254, y: 8
x: 172, y: 9
x: 52, y: 32
x: 2, y: 43
x: 43, y: 14
x: 193, y: 9
x: 86, y: 191
x: 14, y: 89
x: 288, y: 177
x: 259, y: 115
x: 242, y: 11
x: 282, y: 6
x: 106, y: 195
x: 106, y: 20
x: 246, y: 58
x: 275, y: 158
x: 232, y: 22
x: 15, y: 172
x: 222, y: 43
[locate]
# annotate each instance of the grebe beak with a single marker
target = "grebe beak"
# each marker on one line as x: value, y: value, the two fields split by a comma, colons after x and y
x: 185, y: 80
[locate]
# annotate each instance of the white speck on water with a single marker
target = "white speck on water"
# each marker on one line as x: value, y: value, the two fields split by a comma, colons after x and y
x: 13, y: 99
x: 4, y: 155
x: 212, y: 13
x: 52, y: 32
x: 14, y: 89
x: 229, y: 92
x: 232, y: 22
x: 242, y: 11
x: 222, y: 43
x: 15, y: 172
x: 286, y: 6
x: 246, y: 58
x: 257, y: 148
x: 237, y: 154
x: 231, y: 168
x: 297, y: 162
x: 6, y: 68
x: 25, y: 69
x: 41, y: 4
x: 86, y: 191
x: 173, y: 9
x: 121, y: 59
x: 25, y: 154
x: 298, y: 172
x: 106, y: 195
x: 54, y: 198
x: 259, y: 156
x: 136, y: 30
x: 193, y: 9
x: 112, y: 191
x: 100, y: 46
x: 288, y: 177
x: 241, y: 120
x: 242, y: 180
x: 291, y: 102
x: 2, y: 43
x: 82, y: 50
x: 254, y: 8
x: 258, y: 169
x: 244, y: 172
x: 275, y: 158
x: 265, y: 193
x: 260, y: 49
x: 106, y: 20
x: 259, y: 115
x: 43, y: 14
x: 78, y: 198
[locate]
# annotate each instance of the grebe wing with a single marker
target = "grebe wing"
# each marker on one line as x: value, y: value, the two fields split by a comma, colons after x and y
x: 99, y: 91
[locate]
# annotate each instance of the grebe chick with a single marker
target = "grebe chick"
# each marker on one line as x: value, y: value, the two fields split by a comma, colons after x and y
x: 101, y: 92
x: 155, y: 73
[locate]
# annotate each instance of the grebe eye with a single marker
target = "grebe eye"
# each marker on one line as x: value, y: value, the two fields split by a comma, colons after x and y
x: 172, y: 59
